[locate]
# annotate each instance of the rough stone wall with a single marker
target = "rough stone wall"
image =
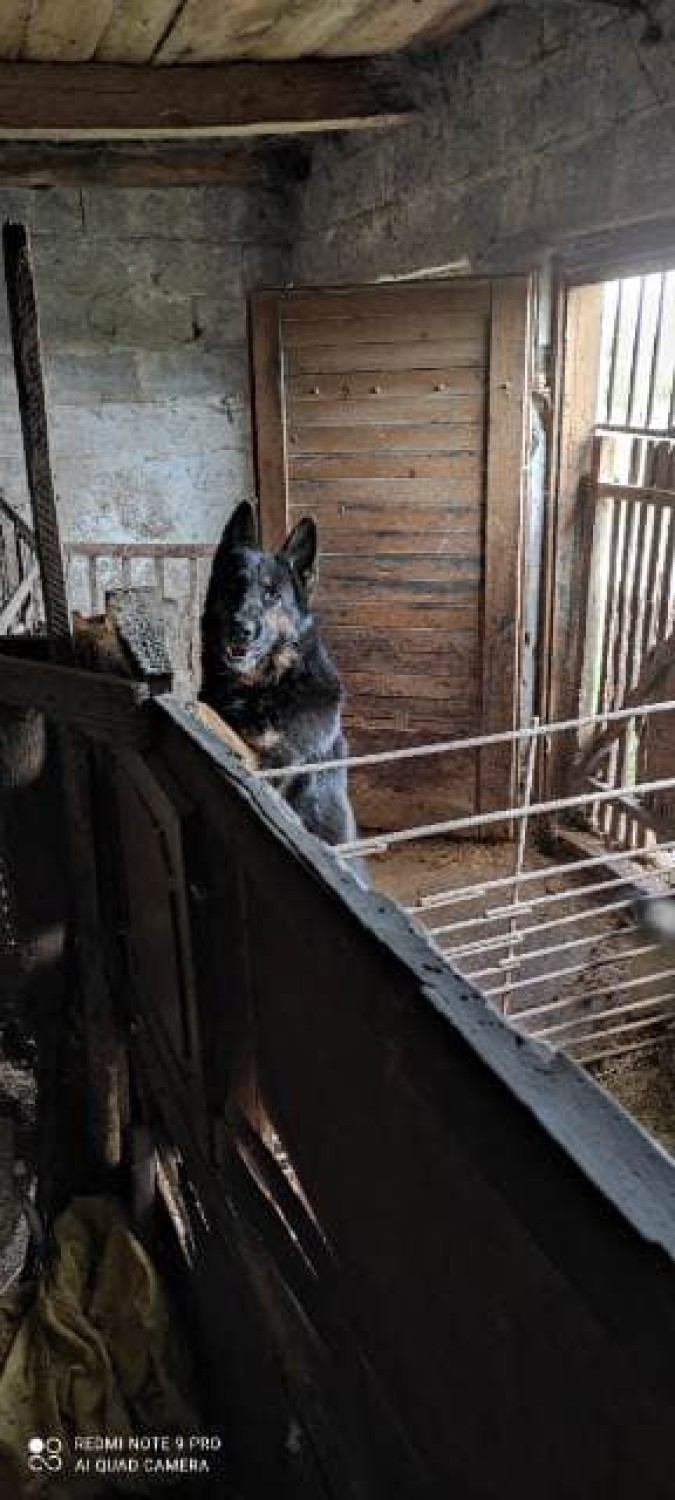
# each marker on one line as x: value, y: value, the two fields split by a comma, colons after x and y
x: 143, y: 313
x: 544, y: 122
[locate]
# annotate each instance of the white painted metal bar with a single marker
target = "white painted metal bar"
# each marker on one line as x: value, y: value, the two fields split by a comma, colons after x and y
x: 610, y: 1052
x: 629, y: 1026
x: 529, y: 956
x: 380, y: 843
x: 527, y: 983
x: 598, y: 963
x: 520, y: 850
x: 594, y: 994
x: 552, y: 898
x: 502, y: 882
x: 475, y: 742
x: 632, y: 1007
x: 498, y: 939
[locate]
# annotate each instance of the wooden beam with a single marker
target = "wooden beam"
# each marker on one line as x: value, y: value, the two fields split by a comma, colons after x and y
x: 100, y: 706
x: 25, y: 335
x: 129, y: 165
x: 103, y: 102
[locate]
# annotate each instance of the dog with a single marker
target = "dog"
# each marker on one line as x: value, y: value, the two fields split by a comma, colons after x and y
x: 266, y: 671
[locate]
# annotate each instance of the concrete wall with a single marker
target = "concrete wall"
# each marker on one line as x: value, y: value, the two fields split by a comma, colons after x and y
x: 543, y: 123
x: 142, y: 302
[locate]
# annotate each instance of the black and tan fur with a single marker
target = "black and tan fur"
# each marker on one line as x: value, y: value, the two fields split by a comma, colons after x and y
x: 266, y: 671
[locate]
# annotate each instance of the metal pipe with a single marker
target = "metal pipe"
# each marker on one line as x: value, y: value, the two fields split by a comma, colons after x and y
x: 626, y: 1026
x: 379, y: 845
x: 610, y: 1052
x: 632, y: 1007
x: 570, y: 917
x: 475, y: 742
x: 520, y: 851
x: 499, y: 913
x: 468, y: 950
x: 525, y: 957
x: 501, y: 882
x: 613, y: 989
x: 526, y: 984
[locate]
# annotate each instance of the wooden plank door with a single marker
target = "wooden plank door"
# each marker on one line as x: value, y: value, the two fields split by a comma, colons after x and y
x: 397, y: 417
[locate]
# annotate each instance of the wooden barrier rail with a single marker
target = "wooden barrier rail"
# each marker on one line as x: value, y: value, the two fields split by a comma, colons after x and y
x: 469, y: 1236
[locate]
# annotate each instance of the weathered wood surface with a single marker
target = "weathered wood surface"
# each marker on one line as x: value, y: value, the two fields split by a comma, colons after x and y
x: 487, y: 1206
x: 371, y: 413
x: 168, y: 31
x: 106, y: 708
x: 134, y: 164
x: 269, y: 444
x: 572, y: 520
x: 25, y: 333
x: 506, y: 491
x: 105, y: 102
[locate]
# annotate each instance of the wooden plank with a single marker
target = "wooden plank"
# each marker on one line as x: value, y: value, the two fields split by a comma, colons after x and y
x: 408, y: 574
x: 377, y: 409
x: 449, y: 437
x: 414, y: 690
x: 109, y: 101
x: 135, y: 29
x: 65, y: 30
x: 396, y: 492
x: 579, y: 368
x: 25, y: 335
x: 387, y: 493
x: 452, y: 610
x: 301, y: 27
x: 14, y: 15
x: 375, y: 540
x: 508, y: 411
x: 431, y: 354
x: 389, y: 798
x: 399, y: 437
x: 414, y: 650
x: 433, y: 297
x: 395, y: 522
x: 418, y: 325
x: 11, y: 611
x: 269, y: 429
x: 386, y: 25
x: 135, y: 164
x: 477, y: 1167
x: 104, y: 707
x: 648, y: 494
x: 446, y: 466
x: 207, y: 31
x: 104, y: 548
x: 386, y: 385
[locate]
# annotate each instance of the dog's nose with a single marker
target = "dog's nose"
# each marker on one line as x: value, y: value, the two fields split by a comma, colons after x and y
x: 244, y: 631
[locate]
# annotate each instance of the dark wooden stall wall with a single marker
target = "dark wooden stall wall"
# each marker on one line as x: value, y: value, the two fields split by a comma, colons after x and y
x: 396, y: 416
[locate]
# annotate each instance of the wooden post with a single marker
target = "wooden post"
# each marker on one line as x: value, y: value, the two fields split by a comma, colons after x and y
x: 25, y: 331
x: 99, y: 1020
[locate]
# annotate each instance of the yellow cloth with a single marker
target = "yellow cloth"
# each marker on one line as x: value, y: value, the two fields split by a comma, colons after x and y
x: 92, y: 1354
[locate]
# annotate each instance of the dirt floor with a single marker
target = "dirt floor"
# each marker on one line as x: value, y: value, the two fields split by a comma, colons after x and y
x: 643, y: 1081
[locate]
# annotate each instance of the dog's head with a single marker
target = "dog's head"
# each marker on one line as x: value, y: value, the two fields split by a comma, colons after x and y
x: 257, y: 607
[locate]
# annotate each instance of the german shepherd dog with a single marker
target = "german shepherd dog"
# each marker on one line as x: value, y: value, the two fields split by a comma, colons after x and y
x: 266, y: 671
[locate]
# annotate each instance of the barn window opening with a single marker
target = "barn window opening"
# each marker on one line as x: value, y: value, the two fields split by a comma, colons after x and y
x: 631, y: 571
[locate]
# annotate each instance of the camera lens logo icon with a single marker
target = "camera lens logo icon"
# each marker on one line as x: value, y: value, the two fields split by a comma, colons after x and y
x: 45, y: 1455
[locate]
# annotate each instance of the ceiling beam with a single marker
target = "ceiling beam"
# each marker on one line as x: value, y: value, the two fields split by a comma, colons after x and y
x: 106, y: 102
x: 35, y: 164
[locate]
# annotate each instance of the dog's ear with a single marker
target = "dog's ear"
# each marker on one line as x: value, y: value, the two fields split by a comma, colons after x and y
x: 299, y: 550
x: 240, y: 530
